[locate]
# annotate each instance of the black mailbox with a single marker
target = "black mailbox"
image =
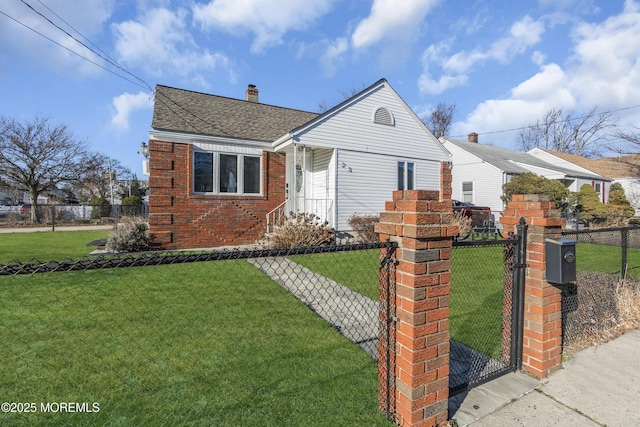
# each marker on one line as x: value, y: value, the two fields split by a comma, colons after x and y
x: 561, y: 260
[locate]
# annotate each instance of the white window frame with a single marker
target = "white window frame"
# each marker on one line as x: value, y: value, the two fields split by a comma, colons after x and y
x: 464, y: 193
x: 405, y: 175
x: 216, y: 174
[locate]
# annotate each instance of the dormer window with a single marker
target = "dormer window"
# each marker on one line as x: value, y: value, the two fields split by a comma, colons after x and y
x: 383, y: 116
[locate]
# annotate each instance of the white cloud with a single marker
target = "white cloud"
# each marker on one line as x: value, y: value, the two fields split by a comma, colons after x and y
x: 523, y: 34
x: 606, y: 63
x: 528, y: 101
x: 126, y: 104
x: 333, y: 54
x: 161, y: 44
x: 538, y: 58
x: 21, y: 42
x: 268, y: 20
x: 427, y: 84
x: 604, y: 71
x: 391, y: 19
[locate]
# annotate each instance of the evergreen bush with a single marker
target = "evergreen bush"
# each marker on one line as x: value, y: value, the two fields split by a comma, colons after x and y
x: 101, y: 207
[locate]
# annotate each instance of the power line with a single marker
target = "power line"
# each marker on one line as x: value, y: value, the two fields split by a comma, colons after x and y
x: 559, y: 121
x: 74, y: 29
x: 73, y: 52
x: 106, y: 58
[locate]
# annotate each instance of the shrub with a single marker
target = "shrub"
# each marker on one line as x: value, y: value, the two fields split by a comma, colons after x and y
x: 599, y: 308
x: 589, y: 204
x: 101, y: 207
x: 301, y: 230
x: 130, y: 236
x: 132, y: 206
x: 616, y: 216
x: 463, y: 222
x: 363, y: 226
x: 530, y: 183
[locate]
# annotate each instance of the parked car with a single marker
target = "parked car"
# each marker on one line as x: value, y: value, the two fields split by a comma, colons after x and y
x: 480, y: 215
x: 26, y: 208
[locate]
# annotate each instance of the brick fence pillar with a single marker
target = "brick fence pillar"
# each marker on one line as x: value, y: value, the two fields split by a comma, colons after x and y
x: 420, y: 222
x: 542, y: 338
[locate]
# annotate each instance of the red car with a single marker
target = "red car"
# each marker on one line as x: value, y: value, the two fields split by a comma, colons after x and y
x: 480, y: 215
x: 26, y: 208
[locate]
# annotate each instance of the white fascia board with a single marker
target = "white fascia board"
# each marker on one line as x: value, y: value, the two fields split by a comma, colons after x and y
x: 283, y: 142
x: 188, y: 138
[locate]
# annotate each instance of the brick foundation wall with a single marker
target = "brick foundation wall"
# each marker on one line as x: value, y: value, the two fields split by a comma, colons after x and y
x: 179, y: 219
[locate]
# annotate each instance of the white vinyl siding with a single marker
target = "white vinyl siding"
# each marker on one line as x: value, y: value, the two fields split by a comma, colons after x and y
x: 353, y: 129
x: 367, y: 181
x: 487, y: 179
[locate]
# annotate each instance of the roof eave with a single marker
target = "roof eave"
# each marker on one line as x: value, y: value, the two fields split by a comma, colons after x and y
x: 190, y: 138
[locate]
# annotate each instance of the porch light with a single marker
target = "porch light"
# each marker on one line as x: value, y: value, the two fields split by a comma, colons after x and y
x: 144, y: 150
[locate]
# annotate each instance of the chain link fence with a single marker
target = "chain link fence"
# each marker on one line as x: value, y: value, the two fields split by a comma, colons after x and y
x: 260, y: 337
x: 604, y: 301
x: 53, y: 215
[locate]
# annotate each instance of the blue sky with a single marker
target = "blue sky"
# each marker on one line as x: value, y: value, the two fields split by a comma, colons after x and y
x: 504, y: 64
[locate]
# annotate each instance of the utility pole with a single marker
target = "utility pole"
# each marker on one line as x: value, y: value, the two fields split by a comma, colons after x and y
x: 111, y: 182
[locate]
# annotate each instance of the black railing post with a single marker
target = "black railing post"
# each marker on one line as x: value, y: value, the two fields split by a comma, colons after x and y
x: 624, y: 234
x: 519, y: 276
x: 53, y: 218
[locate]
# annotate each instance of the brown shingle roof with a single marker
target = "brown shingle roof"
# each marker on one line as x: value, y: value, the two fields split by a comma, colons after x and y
x: 186, y: 111
x: 610, y: 167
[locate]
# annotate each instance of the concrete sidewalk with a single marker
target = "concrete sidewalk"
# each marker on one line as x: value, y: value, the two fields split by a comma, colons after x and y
x: 57, y: 228
x: 598, y: 386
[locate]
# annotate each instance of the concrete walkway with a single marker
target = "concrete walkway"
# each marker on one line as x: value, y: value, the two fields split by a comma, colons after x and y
x: 599, y: 386
x: 352, y: 314
x: 57, y: 228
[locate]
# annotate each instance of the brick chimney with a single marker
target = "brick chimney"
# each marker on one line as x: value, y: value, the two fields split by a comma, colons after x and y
x: 473, y: 137
x: 252, y: 93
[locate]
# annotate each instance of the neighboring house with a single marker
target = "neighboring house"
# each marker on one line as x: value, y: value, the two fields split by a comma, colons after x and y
x: 221, y: 168
x: 479, y: 172
x: 624, y: 170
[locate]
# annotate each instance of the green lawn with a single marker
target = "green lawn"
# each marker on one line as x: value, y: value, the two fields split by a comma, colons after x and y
x: 357, y: 270
x: 213, y: 343
x: 47, y: 245
x: 477, y: 283
x: 476, y: 288
x: 606, y: 259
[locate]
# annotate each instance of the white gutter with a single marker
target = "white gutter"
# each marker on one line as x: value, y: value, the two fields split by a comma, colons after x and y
x: 190, y: 138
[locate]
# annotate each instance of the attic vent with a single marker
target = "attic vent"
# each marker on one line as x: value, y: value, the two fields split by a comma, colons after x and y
x: 383, y: 117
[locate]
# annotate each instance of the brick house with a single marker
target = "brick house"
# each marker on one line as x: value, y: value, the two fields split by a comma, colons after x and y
x: 221, y: 169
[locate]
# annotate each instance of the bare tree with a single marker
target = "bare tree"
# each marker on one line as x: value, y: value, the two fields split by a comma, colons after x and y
x: 440, y: 119
x: 323, y: 105
x: 36, y: 156
x: 632, y: 137
x: 564, y: 133
x: 99, y: 178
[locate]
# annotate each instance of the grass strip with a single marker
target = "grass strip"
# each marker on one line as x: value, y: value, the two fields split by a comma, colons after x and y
x: 47, y: 245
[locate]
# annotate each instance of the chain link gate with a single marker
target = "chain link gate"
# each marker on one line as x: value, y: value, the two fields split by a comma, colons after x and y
x: 487, y: 307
